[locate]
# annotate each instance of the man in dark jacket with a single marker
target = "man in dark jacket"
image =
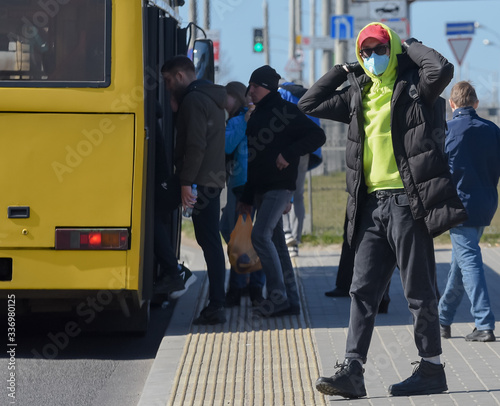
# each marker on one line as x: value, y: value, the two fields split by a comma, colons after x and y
x: 278, y: 135
x: 400, y: 193
x: 200, y: 160
x: 473, y: 150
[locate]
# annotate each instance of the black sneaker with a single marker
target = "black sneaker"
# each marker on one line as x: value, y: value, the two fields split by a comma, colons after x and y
x: 480, y: 335
x: 347, y: 382
x: 187, y: 278
x: 233, y: 297
x: 445, y: 331
x: 211, y: 315
x: 289, y: 311
x: 266, y: 308
x: 256, y: 295
x: 168, y: 284
x: 337, y: 292
x: 427, y: 379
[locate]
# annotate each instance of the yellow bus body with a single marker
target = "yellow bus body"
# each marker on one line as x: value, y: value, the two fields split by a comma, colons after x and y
x: 76, y: 157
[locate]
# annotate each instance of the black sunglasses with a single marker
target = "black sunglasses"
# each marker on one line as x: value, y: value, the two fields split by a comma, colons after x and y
x: 379, y: 50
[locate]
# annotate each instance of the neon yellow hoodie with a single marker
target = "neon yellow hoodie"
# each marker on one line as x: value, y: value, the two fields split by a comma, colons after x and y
x: 379, y: 164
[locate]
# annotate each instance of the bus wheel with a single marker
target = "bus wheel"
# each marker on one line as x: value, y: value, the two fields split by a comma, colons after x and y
x: 136, y: 316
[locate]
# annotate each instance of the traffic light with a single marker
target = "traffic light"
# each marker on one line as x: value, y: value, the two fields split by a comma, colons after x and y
x: 258, y: 40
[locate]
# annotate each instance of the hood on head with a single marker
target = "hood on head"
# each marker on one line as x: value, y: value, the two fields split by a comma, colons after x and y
x: 216, y: 92
x: 395, y: 43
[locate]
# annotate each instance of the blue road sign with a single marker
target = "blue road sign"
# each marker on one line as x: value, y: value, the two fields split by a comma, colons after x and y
x: 342, y: 27
x: 460, y: 28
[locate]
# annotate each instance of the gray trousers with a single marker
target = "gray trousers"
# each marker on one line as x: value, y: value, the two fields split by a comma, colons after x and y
x: 268, y: 240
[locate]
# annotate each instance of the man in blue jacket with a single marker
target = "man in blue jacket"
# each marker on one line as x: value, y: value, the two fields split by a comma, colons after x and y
x: 473, y: 150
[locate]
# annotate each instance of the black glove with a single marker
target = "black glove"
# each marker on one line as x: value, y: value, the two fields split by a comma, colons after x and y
x: 353, y: 67
x: 408, y: 42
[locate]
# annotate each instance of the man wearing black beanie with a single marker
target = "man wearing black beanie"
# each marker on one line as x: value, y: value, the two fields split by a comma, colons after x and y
x: 278, y: 135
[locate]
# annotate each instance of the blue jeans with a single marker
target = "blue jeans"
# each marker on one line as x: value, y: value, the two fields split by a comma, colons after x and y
x: 268, y: 239
x: 227, y: 223
x: 466, y: 275
x: 387, y: 236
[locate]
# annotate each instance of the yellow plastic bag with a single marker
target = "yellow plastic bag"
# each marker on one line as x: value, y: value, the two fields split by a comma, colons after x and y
x: 240, y: 251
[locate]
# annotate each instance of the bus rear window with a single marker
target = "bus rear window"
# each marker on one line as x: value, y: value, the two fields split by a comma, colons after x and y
x: 55, y: 43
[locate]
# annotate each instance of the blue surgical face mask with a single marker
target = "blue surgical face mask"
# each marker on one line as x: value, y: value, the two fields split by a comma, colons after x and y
x: 377, y: 64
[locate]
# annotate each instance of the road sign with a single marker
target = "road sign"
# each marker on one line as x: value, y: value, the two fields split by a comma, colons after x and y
x: 293, y: 65
x: 459, y: 46
x: 401, y: 26
x: 317, y: 42
x: 388, y: 9
x: 460, y: 28
x: 342, y: 27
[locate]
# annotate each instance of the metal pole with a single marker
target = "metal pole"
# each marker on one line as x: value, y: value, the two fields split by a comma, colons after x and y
x: 291, y: 29
x: 298, y: 31
x: 267, y: 52
x: 312, y: 79
x: 312, y: 52
x: 495, y: 89
x: 193, y: 17
x: 326, y: 12
x: 206, y: 10
x: 340, y: 45
x: 309, y: 216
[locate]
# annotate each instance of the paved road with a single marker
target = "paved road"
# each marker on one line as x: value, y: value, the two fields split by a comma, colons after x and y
x: 85, y: 369
x: 89, y: 369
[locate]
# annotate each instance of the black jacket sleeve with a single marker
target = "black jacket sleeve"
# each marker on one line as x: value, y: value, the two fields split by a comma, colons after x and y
x: 435, y: 71
x: 307, y: 137
x: 324, y: 100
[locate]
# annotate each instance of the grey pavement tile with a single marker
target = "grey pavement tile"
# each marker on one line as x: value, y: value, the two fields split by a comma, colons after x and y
x: 472, y: 369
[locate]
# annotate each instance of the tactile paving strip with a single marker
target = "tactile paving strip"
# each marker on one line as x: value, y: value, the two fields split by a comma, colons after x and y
x: 248, y: 361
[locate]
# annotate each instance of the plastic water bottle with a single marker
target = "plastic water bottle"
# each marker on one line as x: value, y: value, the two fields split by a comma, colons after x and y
x: 188, y: 211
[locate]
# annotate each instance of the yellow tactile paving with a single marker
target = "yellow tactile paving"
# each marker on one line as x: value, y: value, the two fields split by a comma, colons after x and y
x: 248, y: 361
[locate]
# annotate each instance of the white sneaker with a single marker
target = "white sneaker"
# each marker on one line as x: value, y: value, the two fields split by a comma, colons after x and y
x: 293, y: 251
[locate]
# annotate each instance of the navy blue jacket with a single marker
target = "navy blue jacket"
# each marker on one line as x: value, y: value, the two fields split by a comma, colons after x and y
x: 473, y: 149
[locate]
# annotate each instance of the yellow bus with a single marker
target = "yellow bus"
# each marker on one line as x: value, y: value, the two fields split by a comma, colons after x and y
x: 79, y: 96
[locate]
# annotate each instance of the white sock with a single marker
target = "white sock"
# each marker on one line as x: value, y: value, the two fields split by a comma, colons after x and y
x: 433, y: 360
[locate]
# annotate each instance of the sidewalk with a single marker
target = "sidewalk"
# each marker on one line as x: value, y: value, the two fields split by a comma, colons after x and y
x: 276, y: 361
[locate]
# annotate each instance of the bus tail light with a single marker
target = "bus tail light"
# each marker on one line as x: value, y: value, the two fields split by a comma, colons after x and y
x: 92, y: 239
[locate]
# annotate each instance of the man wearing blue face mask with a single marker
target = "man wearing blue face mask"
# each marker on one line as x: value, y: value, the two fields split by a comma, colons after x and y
x: 400, y: 190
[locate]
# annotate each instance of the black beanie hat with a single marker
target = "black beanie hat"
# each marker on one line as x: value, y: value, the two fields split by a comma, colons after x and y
x: 266, y: 77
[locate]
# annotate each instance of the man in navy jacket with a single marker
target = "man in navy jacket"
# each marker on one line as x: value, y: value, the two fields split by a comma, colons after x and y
x: 473, y: 150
